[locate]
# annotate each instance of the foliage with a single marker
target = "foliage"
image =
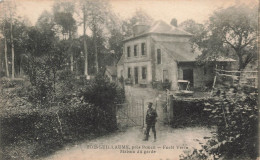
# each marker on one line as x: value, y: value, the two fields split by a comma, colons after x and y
x: 19, y: 30
x: 63, y: 16
x: 139, y: 17
x: 42, y: 78
x: 198, y: 31
x: 103, y: 93
x: 45, y: 21
x: 234, y: 111
x: 231, y: 32
x: 189, y: 112
x: 40, y: 131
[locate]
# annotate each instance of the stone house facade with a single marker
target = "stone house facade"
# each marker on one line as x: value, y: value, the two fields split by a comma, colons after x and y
x: 161, y: 53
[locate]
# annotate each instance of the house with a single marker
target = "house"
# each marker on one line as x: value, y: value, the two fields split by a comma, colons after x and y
x: 111, y: 73
x: 161, y: 53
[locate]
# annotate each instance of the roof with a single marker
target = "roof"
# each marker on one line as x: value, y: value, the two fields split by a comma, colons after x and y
x: 111, y: 70
x: 218, y: 59
x: 225, y: 59
x: 121, y: 60
x: 161, y: 27
x: 180, y: 51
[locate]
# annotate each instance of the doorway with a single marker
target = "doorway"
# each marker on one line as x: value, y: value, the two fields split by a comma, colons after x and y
x: 188, y: 75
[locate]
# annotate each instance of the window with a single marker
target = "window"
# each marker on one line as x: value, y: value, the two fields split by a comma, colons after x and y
x: 128, y: 51
x: 165, y: 76
x: 159, y: 60
x: 143, y: 49
x: 129, y: 73
x: 144, y: 72
x: 135, y: 50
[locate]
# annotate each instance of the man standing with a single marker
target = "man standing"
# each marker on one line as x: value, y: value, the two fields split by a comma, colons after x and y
x: 151, y: 116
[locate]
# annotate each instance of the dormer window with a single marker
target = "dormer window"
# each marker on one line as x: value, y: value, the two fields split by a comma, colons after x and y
x: 135, y: 50
x: 143, y: 49
x: 128, y: 51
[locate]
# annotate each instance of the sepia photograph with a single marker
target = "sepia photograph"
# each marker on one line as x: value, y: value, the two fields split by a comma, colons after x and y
x: 129, y: 80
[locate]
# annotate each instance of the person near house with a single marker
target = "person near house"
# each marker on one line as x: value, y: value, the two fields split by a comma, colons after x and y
x: 151, y: 116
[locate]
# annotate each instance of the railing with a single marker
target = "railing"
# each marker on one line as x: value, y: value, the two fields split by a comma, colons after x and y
x: 247, y: 78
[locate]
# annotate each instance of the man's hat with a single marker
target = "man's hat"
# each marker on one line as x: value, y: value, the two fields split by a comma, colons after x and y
x: 150, y: 103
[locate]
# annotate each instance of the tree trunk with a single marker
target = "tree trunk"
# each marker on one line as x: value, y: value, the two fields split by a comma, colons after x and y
x: 241, y: 65
x: 6, y: 59
x: 71, y: 53
x: 85, y: 45
x: 12, y: 44
x: 95, y: 46
x: 71, y: 62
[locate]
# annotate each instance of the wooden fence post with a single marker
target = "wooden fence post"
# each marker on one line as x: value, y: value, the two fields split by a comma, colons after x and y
x: 170, y: 109
x: 143, y: 111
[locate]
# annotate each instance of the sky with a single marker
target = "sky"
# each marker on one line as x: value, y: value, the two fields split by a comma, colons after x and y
x: 198, y: 10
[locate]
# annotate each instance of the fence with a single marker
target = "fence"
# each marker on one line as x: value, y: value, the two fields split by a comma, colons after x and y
x: 247, y: 78
x: 131, y: 113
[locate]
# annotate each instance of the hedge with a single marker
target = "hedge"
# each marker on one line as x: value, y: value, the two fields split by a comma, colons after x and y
x: 50, y: 129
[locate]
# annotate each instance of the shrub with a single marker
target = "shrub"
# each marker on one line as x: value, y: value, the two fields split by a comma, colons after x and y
x: 189, y: 112
x: 104, y: 95
x: 11, y: 83
x: 234, y: 111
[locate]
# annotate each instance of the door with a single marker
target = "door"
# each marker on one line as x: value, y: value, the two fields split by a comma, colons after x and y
x: 188, y: 75
x: 136, y: 75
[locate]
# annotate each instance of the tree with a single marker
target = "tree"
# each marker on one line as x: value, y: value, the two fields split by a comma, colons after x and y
x: 3, y: 27
x: 232, y: 30
x: 46, y: 21
x: 197, y: 30
x: 96, y: 12
x: 119, y: 30
x: 9, y: 13
x: 139, y: 17
x: 63, y: 17
x: 14, y: 30
x: 83, y: 9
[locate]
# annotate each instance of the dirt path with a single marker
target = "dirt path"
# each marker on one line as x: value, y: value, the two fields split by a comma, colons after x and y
x: 170, y: 144
x: 187, y: 138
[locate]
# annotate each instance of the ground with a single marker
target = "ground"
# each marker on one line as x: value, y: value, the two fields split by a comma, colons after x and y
x: 170, y: 144
x: 174, y: 139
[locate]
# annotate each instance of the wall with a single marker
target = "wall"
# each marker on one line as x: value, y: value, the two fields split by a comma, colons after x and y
x: 167, y: 63
x: 138, y: 61
x: 154, y: 70
x: 200, y: 79
x: 119, y: 68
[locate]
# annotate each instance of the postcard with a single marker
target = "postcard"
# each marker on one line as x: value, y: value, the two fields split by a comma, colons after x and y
x: 129, y: 79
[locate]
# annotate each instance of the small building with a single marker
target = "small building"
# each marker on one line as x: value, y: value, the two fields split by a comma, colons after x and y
x: 111, y: 73
x: 161, y: 53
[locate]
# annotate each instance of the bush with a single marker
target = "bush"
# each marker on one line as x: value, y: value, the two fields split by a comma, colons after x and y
x: 104, y: 95
x: 73, y: 117
x: 11, y: 83
x: 235, y: 113
x: 189, y: 112
x: 50, y: 129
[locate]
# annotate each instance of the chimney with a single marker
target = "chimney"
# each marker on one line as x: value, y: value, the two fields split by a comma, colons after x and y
x: 174, y: 22
x: 139, y: 28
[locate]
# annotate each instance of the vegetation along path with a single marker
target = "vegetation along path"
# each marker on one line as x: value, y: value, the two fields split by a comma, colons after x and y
x: 177, y: 141
x: 170, y: 144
